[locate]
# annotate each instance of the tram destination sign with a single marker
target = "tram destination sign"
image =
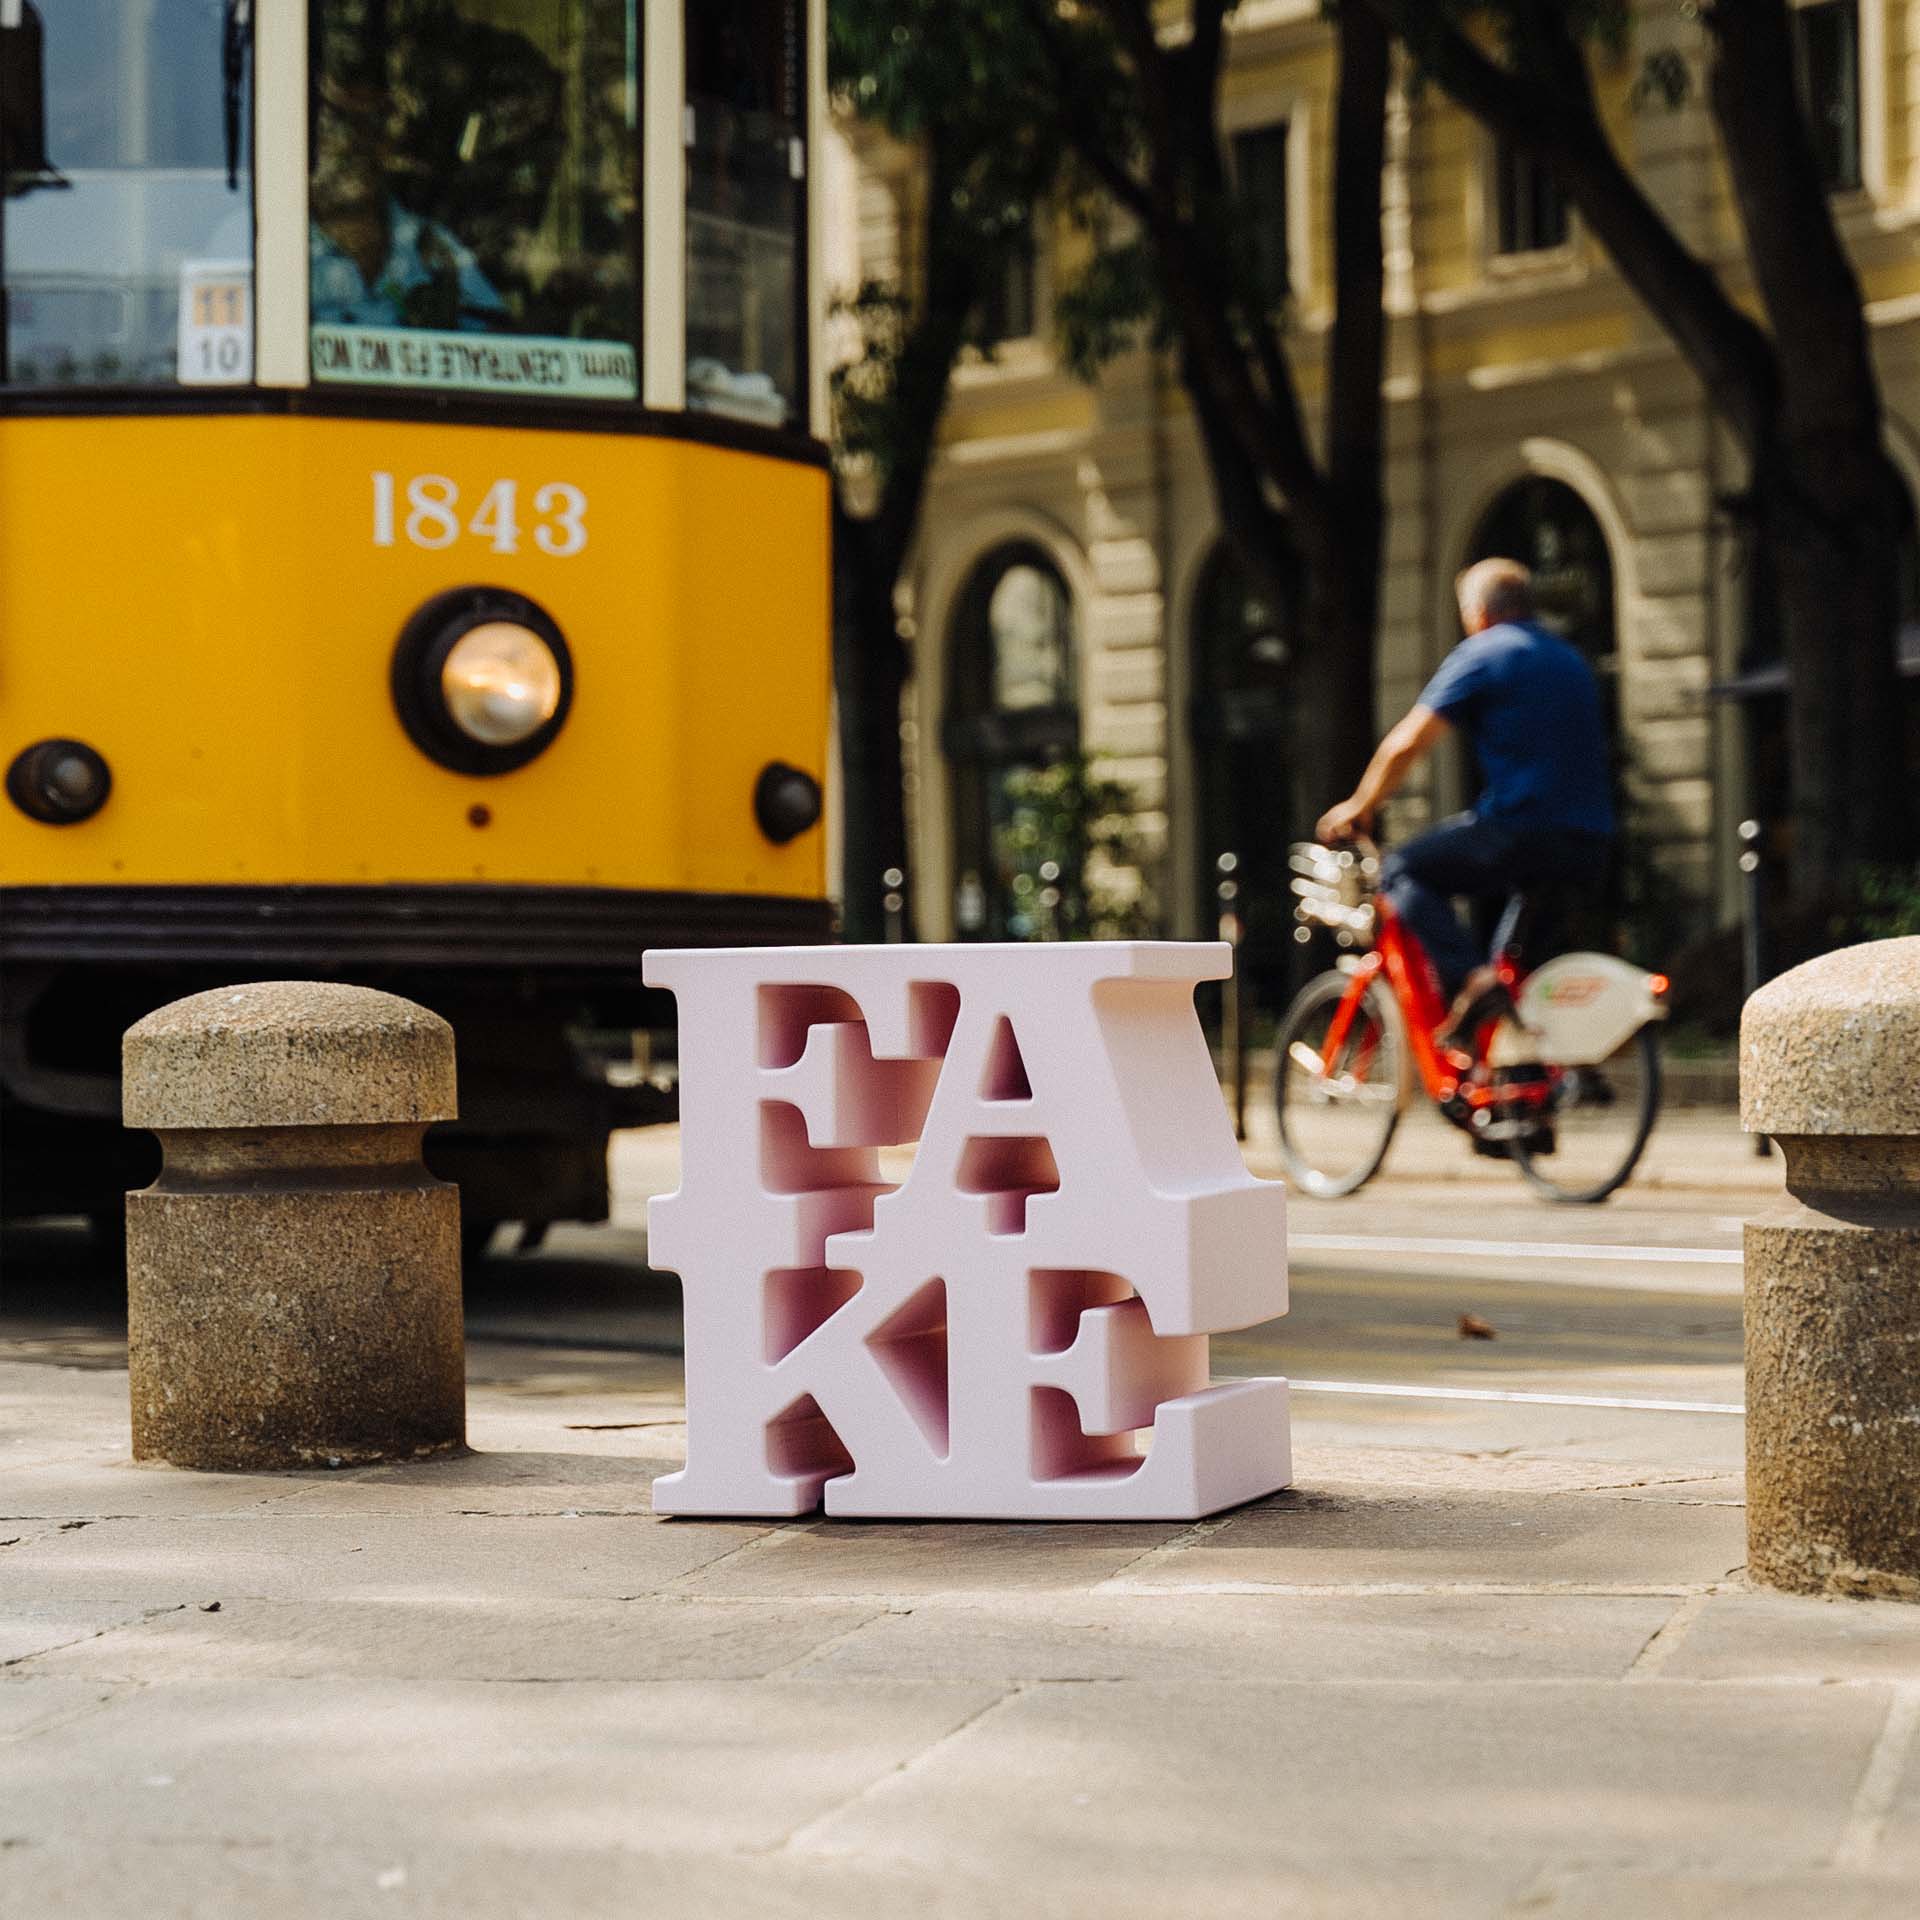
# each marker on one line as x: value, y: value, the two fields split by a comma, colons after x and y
x: 475, y: 362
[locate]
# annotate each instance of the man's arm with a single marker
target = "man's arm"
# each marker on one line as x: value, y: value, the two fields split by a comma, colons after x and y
x: 1393, y: 759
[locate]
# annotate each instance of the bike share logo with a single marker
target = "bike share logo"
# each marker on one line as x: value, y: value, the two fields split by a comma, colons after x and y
x: 1014, y: 1324
x: 1571, y: 990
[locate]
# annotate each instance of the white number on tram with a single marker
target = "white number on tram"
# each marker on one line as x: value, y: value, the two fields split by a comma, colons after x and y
x: 432, y: 516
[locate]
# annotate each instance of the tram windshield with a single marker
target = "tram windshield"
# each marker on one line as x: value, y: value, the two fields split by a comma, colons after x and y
x: 474, y: 197
x: 127, y: 216
x: 474, y: 202
x: 746, y: 178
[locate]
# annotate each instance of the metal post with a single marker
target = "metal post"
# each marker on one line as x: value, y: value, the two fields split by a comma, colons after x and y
x: 1049, y: 898
x: 1753, y: 951
x: 1233, y: 1026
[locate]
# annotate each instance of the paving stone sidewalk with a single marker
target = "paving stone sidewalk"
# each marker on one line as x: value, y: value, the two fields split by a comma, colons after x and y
x: 1421, y: 1683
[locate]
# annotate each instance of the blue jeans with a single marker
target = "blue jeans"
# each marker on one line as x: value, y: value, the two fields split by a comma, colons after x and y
x: 1487, y: 861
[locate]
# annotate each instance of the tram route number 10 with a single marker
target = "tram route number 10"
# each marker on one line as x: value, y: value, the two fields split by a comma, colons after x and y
x: 428, y: 513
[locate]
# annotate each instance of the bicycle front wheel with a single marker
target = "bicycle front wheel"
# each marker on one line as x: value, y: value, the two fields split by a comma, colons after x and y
x: 1338, y: 1113
x: 1597, y: 1124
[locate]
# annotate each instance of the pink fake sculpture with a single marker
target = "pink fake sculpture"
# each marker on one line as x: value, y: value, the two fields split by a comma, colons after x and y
x: 1018, y: 1329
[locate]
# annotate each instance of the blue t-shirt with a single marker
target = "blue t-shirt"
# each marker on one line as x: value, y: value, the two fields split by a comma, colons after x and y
x: 1529, y: 705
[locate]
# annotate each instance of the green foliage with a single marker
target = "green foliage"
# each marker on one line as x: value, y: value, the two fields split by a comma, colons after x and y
x: 982, y: 80
x: 864, y: 416
x: 965, y: 72
x: 1889, y: 904
x: 907, y: 64
x: 957, y: 80
x: 1110, y: 307
x: 1069, y: 834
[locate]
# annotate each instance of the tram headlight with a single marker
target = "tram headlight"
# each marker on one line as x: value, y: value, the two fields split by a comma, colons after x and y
x: 482, y: 679
x: 59, y: 782
x: 501, y: 683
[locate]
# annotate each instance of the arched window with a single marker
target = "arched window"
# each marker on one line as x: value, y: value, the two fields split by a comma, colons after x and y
x: 1237, y: 718
x: 1011, y: 706
x: 1545, y: 525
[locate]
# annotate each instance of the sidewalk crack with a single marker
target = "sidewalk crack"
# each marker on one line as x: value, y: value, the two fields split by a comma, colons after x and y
x: 1666, y: 1637
x: 1873, y: 1798
x: 799, y: 1838
x: 1177, y: 1543
x: 800, y: 1661
x: 139, y: 1619
x: 775, y: 1531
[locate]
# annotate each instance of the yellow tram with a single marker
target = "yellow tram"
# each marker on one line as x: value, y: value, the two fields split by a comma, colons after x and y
x: 413, y: 536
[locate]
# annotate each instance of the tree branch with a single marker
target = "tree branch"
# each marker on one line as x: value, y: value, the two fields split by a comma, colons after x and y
x: 1209, y: 36
x: 1262, y: 416
x: 1133, y: 23
x: 956, y: 270
x: 1553, y: 118
x: 1079, y: 123
x: 1805, y: 278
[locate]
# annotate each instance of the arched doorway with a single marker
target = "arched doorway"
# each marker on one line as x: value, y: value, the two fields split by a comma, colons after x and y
x: 1546, y: 525
x: 1011, y: 706
x: 1237, y: 718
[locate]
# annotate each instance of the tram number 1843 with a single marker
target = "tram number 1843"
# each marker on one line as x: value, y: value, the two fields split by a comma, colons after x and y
x: 432, y: 516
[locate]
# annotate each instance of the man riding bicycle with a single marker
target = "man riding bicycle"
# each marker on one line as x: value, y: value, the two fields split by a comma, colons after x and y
x: 1528, y: 705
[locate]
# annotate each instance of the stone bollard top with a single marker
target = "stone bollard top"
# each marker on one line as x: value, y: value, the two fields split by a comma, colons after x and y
x: 287, y: 1053
x: 1834, y: 1046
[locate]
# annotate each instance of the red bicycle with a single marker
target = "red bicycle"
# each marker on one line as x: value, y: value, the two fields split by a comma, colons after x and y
x: 1556, y: 1069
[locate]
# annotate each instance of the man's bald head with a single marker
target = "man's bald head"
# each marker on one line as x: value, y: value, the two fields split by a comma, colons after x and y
x: 1491, y: 592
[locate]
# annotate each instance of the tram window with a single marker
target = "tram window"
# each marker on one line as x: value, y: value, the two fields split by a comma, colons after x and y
x: 474, y: 204
x: 746, y: 183
x: 122, y: 136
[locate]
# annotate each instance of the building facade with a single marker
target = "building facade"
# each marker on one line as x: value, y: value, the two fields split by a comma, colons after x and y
x: 1070, y: 589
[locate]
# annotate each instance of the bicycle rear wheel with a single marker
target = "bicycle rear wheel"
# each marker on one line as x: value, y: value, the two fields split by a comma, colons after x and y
x: 1336, y: 1124
x: 1598, y: 1121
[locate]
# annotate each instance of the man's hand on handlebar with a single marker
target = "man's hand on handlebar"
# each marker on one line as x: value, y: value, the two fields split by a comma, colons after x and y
x: 1346, y: 821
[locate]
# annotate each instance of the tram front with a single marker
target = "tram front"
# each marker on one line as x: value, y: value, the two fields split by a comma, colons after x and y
x: 413, y: 536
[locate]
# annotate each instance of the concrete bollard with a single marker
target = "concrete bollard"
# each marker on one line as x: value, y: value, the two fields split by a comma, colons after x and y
x: 1830, y: 1067
x: 293, y: 1276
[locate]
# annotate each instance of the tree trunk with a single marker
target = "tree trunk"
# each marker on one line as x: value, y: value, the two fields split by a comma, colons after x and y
x: 1830, y: 505
x: 1333, y: 722
x: 871, y: 663
x: 870, y: 676
x: 1834, y: 577
x: 1282, y: 514
x: 1345, y: 625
